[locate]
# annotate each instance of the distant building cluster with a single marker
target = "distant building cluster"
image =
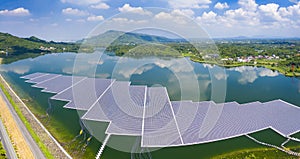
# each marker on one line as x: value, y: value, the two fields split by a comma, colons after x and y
x: 251, y: 58
x: 47, y: 48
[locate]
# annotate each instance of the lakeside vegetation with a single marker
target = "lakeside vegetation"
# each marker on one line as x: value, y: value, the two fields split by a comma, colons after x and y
x: 2, y: 152
x: 282, y: 55
x: 258, y: 154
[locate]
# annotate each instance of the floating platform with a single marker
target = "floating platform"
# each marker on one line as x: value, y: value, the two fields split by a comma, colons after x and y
x: 149, y: 113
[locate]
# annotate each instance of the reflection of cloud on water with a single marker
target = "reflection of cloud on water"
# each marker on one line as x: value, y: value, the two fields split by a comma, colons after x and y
x: 84, y: 64
x: 249, y: 74
x: 181, y: 70
x: 143, y: 69
x: 176, y: 65
x: 221, y: 76
x: 243, y: 69
x: 209, y: 66
x: 127, y: 72
x: 83, y: 69
x: 269, y: 73
x: 247, y: 77
x: 127, y: 66
x: 18, y: 69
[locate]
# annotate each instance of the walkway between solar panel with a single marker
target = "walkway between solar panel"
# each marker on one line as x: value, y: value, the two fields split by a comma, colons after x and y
x: 149, y: 113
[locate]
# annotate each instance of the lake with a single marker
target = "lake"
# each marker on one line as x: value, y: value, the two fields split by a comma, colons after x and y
x: 184, y: 80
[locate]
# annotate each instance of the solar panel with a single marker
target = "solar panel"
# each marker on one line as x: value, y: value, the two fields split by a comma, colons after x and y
x: 285, y: 117
x: 34, y: 75
x: 58, y: 84
x: 42, y: 78
x: 84, y: 94
x: 160, y: 125
x: 122, y: 106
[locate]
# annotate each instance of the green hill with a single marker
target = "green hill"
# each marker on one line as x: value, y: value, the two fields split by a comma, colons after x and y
x: 13, y: 48
x: 113, y: 37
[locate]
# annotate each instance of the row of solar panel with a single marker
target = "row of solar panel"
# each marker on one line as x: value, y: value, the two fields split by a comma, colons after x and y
x: 148, y: 112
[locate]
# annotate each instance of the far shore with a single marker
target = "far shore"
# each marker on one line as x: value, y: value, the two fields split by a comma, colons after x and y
x: 238, y: 64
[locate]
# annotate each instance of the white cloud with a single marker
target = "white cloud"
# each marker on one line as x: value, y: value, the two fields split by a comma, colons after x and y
x: 207, y: 18
x: 81, y: 2
x: 163, y: 15
x: 221, y: 6
x: 121, y: 20
x: 184, y: 12
x: 250, y: 19
x: 74, y: 12
x: 269, y: 8
x: 95, y: 18
x: 126, y: 8
x: 15, y: 12
x: 242, y: 15
x: 189, y: 3
x: 210, y: 18
x: 178, y: 16
x: 249, y: 5
x: 270, y: 12
x: 100, y: 6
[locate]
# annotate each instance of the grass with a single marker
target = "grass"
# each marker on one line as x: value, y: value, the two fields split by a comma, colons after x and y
x: 2, y: 152
x: 43, y: 148
x: 257, y: 154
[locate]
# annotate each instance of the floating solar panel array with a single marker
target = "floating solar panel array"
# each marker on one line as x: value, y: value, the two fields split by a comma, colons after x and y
x: 149, y: 113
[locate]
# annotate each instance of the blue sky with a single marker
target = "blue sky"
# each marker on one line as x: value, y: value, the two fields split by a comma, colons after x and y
x: 68, y: 20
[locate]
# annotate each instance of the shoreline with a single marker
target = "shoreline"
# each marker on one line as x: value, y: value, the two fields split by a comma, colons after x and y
x: 256, y: 152
x: 268, y: 66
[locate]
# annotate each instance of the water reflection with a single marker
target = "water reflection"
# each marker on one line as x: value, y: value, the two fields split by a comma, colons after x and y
x: 168, y: 72
x: 18, y: 68
x: 249, y: 74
